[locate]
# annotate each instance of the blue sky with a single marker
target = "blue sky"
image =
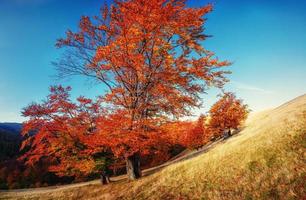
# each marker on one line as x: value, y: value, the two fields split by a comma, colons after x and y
x: 265, y: 40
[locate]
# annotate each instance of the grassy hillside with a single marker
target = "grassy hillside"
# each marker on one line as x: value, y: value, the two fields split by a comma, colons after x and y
x: 265, y: 161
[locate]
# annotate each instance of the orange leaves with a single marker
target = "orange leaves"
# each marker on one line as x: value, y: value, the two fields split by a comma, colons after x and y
x: 84, y: 100
x: 79, y: 38
x: 227, y: 113
x: 114, y: 132
x: 56, y: 128
x: 86, y: 26
x: 197, y: 134
x: 70, y: 167
x: 102, y: 53
x: 144, y: 53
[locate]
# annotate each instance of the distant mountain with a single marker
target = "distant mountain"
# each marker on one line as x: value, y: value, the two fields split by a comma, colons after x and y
x: 11, y: 127
x: 10, y: 140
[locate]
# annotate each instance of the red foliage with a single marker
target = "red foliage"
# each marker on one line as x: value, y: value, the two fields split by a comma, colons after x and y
x: 198, y: 135
x: 142, y: 51
x: 226, y: 114
x: 54, y: 132
x: 176, y: 131
x: 114, y: 131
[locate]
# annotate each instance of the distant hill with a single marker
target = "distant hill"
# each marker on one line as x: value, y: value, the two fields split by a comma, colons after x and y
x: 10, y: 139
x: 11, y: 127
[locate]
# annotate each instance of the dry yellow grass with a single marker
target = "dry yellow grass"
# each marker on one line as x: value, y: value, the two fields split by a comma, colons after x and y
x: 266, y: 160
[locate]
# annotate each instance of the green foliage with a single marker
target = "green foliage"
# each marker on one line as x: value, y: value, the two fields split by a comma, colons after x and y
x: 271, y: 160
x: 101, y: 164
x: 103, y: 161
x: 254, y: 166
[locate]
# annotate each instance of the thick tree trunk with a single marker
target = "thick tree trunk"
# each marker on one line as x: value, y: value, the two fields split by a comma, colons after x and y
x: 133, y: 166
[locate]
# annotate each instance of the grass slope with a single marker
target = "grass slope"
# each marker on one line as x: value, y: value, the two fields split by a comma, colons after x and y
x: 265, y: 161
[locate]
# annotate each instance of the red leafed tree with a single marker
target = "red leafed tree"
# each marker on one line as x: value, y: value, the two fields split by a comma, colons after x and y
x: 176, y: 131
x: 198, y: 135
x: 149, y: 56
x: 226, y: 114
x: 55, y: 130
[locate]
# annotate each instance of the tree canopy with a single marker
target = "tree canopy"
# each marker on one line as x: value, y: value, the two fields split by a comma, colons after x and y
x: 150, y: 58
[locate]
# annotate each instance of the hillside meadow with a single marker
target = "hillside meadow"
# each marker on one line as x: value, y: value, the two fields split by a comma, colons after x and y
x: 266, y: 160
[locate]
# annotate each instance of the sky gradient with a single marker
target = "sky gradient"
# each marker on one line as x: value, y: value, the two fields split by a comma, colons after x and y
x: 265, y: 40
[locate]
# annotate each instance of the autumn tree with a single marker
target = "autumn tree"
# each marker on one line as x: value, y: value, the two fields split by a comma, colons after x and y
x: 149, y: 57
x: 227, y: 113
x: 177, y: 130
x: 198, y: 134
x: 55, y: 130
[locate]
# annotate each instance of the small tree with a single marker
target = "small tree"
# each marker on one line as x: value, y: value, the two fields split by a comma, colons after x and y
x: 226, y: 114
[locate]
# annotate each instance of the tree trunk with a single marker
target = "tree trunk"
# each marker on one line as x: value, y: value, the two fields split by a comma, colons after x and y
x: 133, y: 166
x: 104, y: 178
x: 229, y: 132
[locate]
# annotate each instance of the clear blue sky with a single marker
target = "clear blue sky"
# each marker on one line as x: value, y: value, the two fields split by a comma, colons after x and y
x: 266, y: 40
